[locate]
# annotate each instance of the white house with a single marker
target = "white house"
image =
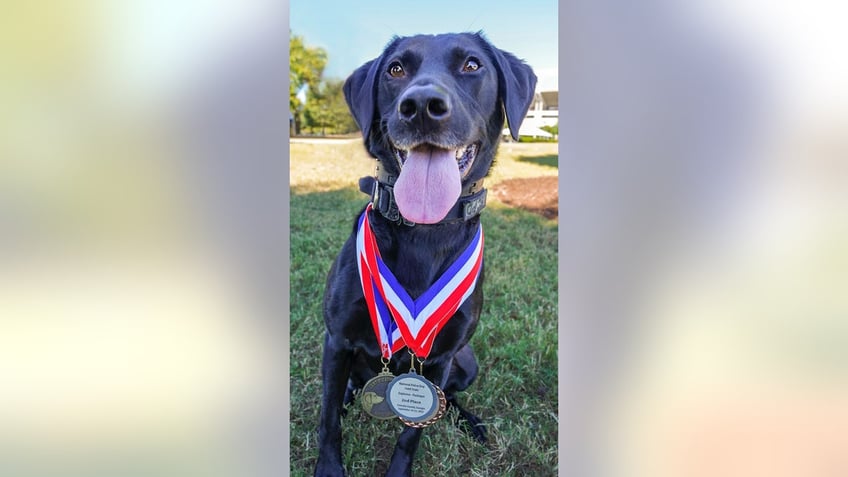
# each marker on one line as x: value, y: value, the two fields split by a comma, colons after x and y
x: 543, y: 112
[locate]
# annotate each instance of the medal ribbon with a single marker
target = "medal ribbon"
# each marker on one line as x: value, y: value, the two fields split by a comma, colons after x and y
x: 400, y: 321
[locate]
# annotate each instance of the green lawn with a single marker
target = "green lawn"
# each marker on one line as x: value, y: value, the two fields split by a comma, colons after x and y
x: 516, y: 341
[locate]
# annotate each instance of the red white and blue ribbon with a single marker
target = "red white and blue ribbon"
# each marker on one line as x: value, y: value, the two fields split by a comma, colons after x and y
x: 400, y: 321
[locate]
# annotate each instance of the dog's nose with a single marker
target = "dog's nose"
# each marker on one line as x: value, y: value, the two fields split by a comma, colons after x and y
x: 426, y: 102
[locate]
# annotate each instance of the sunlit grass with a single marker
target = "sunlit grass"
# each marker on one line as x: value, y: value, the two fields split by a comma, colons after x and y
x: 339, y: 163
x: 516, y: 392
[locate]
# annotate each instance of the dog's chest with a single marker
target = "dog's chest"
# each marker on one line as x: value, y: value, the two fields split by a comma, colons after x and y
x: 418, y: 258
x: 418, y: 264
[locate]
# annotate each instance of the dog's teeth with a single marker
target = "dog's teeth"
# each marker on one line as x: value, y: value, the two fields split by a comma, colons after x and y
x: 463, y: 153
x: 464, y: 157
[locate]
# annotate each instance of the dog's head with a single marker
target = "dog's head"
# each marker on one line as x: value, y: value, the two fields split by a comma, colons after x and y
x: 431, y: 108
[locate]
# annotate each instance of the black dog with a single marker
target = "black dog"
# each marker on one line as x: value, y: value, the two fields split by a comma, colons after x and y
x: 431, y: 110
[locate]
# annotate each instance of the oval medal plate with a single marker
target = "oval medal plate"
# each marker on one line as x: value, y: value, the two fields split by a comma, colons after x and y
x: 415, y: 399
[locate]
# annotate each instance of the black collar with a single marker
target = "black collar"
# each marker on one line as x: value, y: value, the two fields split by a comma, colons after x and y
x: 471, y: 201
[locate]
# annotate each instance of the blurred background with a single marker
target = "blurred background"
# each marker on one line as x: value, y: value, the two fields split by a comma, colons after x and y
x: 703, y: 250
x: 704, y: 239
x: 143, y: 240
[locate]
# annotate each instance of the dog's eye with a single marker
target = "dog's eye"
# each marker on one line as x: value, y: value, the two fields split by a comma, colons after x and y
x: 471, y: 64
x: 396, y: 70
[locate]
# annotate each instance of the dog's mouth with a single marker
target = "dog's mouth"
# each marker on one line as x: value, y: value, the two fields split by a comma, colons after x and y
x: 430, y: 180
x: 465, y: 155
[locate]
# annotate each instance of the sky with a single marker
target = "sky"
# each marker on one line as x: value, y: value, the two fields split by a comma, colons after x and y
x: 356, y: 32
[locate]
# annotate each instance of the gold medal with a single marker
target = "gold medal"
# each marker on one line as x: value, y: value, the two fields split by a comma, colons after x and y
x: 373, y: 395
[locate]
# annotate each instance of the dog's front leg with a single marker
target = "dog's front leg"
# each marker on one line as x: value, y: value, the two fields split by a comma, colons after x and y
x: 335, y: 370
x: 407, y: 444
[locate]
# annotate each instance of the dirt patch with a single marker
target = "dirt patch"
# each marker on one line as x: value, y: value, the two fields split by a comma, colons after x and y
x: 539, y: 195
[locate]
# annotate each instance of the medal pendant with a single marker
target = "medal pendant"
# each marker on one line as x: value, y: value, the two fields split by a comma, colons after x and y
x: 415, y: 400
x: 373, y: 396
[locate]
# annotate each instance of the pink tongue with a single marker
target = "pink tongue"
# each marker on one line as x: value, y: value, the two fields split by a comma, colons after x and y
x: 429, y: 184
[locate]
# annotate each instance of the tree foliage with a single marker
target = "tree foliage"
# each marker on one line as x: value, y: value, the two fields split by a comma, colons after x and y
x: 306, y: 66
x: 325, y: 110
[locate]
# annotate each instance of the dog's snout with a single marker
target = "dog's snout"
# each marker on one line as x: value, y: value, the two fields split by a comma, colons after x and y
x: 424, y: 102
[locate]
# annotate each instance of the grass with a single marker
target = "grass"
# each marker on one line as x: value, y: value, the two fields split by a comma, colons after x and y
x: 516, y: 392
x: 551, y: 160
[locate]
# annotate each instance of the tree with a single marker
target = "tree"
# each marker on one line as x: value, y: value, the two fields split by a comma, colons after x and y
x: 306, y: 65
x: 327, y: 111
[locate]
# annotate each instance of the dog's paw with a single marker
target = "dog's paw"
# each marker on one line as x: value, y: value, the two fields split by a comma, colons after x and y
x: 468, y: 422
x: 474, y: 426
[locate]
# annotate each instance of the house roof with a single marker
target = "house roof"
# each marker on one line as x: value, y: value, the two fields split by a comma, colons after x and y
x: 550, y: 99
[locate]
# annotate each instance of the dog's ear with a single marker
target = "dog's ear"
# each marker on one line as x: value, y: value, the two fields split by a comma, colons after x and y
x: 516, y: 87
x: 360, y: 94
